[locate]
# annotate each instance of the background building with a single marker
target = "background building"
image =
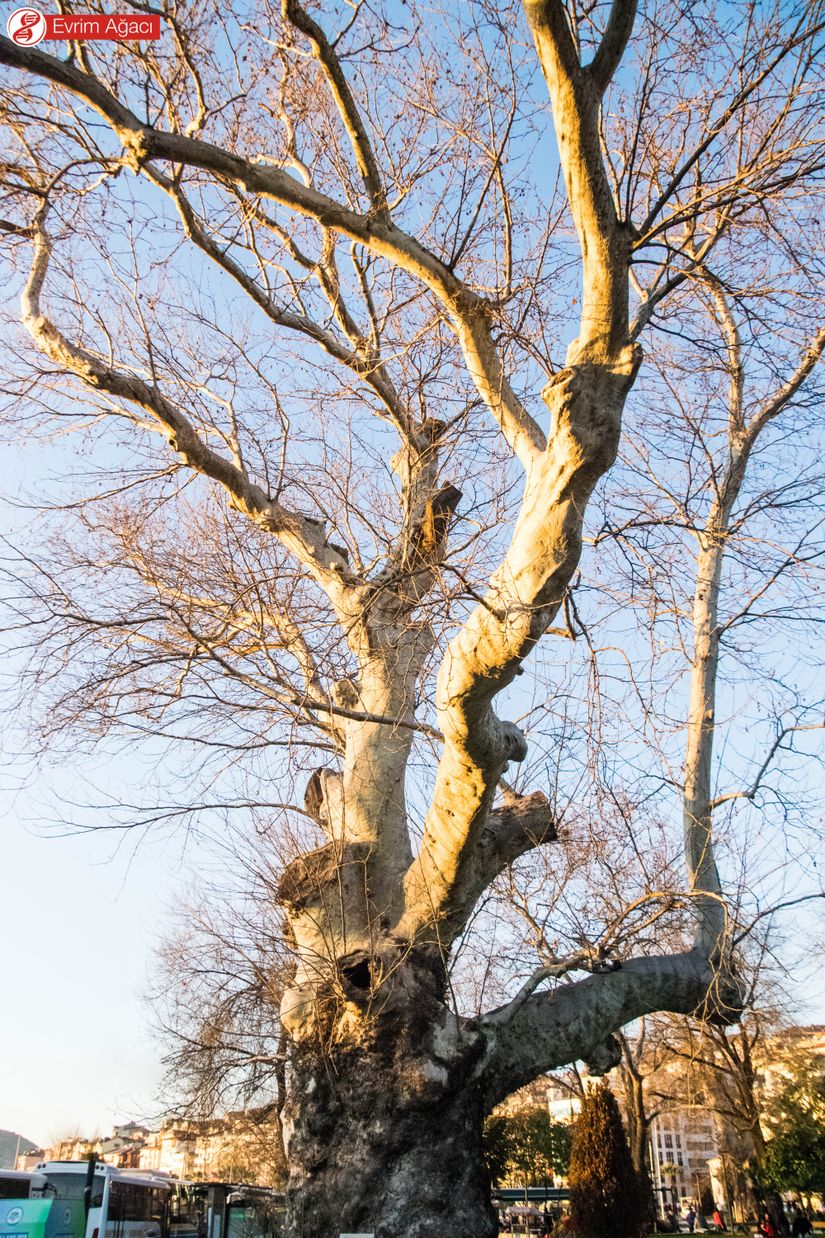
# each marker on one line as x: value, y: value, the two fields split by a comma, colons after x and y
x: 682, y: 1142
x: 240, y: 1147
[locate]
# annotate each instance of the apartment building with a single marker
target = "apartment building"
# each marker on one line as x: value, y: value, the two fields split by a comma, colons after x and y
x: 682, y: 1142
x: 240, y: 1147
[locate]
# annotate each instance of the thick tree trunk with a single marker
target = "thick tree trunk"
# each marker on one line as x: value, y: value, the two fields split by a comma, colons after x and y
x: 366, y: 1157
x: 384, y: 1130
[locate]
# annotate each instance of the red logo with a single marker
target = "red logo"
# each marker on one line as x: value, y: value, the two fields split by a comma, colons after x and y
x: 26, y: 27
x: 29, y: 26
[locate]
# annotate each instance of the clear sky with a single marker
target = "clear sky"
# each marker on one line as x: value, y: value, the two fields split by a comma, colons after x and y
x: 81, y: 918
x: 76, y: 1046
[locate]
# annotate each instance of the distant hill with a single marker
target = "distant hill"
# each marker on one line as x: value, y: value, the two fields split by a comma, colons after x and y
x: 9, y: 1149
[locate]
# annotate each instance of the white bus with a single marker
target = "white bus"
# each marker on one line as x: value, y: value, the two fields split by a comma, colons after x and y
x: 66, y: 1199
x: 17, y: 1183
x: 69, y: 1199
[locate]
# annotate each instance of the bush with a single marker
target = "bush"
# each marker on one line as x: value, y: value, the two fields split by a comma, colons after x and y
x: 607, y: 1198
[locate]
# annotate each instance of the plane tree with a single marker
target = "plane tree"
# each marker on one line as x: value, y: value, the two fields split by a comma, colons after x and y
x: 347, y: 304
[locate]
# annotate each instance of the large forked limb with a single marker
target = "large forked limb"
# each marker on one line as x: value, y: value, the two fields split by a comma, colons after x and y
x: 576, y: 1021
x: 585, y: 402
x: 524, y: 595
x: 576, y: 95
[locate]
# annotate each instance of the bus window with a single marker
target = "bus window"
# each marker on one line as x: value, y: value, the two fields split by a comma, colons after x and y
x: 135, y: 1209
x: 71, y: 1186
x: 68, y: 1186
x: 188, y: 1206
x: 14, y: 1186
x: 13, y: 1190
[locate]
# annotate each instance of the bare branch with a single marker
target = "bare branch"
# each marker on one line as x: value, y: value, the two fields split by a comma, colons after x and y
x: 574, y: 1021
x: 345, y: 102
x: 303, y: 536
x: 467, y: 312
x: 612, y: 46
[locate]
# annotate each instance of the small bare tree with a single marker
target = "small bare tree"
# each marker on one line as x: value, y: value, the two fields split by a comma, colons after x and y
x: 222, y: 973
x: 310, y: 252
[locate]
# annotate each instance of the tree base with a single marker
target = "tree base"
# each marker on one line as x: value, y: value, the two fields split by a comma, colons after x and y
x: 382, y: 1145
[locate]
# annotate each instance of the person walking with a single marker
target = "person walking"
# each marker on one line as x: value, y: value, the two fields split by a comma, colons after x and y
x: 719, y: 1221
x: 690, y: 1217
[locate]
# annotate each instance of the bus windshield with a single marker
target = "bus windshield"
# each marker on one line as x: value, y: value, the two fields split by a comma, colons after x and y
x: 69, y: 1186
